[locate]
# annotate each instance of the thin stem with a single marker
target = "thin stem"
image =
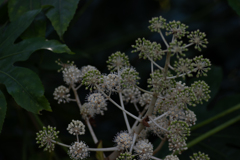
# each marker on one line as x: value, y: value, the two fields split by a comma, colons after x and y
x: 159, y: 117
x: 91, y: 131
x: 152, y: 61
x: 130, y: 114
x: 69, y: 99
x: 61, y: 144
x: 122, y: 105
x: 188, y: 45
x: 224, y: 113
x: 159, y: 147
x: 103, y: 149
x: 133, y: 142
x: 77, y: 138
x: 163, y: 38
x: 172, y: 68
x: 194, y: 70
x: 76, y: 96
x: 157, y: 124
x: 143, y: 90
x: 136, y: 107
x: 78, y: 86
x: 124, y: 113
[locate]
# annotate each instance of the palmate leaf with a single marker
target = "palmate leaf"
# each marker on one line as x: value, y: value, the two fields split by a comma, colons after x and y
x: 23, y: 84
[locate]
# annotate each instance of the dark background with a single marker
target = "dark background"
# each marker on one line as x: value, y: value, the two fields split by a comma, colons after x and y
x: 102, y: 27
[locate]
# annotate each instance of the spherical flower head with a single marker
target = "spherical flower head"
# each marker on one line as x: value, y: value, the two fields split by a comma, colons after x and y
x: 148, y: 49
x: 76, y: 128
x: 61, y: 94
x: 98, y: 103
x: 123, y: 140
x: 171, y: 157
x: 86, y: 69
x: 186, y: 97
x: 190, y: 117
x: 129, y: 77
x: 201, y: 65
x: 71, y: 74
x: 131, y: 95
x: 45, y: 137
x: 78, y: 151
x: 158, y: 82
x: 183, y: 67
x: 145, y: 99
x: 201, y: 91
x: 177, y: 48
x: 177, y: 132
x: 126, y: 156
x: 157, y: 23
x: 112, y: 82
x: 144, y: 149
x: 199, y: 156
x: 87, y: 110
x: 92, y: 78
x: 198, y: 38
x: 117, y: 60
x: 177, y: 29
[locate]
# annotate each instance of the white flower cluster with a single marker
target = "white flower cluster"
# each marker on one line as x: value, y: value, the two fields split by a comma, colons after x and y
x: 61, y: 94
x: 144, y: 149
x: 76, y: 128
x: 46, y: 136
x: 123, y: 140
x: 78, y: 151
x: 165, y: 103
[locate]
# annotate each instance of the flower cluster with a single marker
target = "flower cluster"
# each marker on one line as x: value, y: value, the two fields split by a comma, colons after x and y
x: 199, y: 156
x: 144, y: 149
x: 123, y: 140
x: 61, y: 94
x: 76, y: 127
x: 166, y: 102
x: 46, y: 136
x: 78, y: 151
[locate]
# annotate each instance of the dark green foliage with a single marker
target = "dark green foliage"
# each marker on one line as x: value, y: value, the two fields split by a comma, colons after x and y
x: 23, y: 84
x: 235, y: 4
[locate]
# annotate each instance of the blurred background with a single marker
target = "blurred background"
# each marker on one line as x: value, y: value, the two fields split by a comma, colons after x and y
x: 102, y: 27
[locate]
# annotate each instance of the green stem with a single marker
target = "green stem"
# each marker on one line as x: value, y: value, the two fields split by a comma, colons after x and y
x: 213, y: 131
x: 224, y: 113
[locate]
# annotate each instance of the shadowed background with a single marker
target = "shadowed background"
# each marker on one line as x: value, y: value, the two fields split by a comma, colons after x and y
x: 102, y: 27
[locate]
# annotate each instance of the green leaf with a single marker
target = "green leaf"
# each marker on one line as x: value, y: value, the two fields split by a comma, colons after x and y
x: 235, y: 4
x: 99, y: 154
x: 62, y: 13
x: 16, y: 28
x: 16, y: 8
x: 3, y: 109
x: 23, y: 84
x: 38, y: 26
